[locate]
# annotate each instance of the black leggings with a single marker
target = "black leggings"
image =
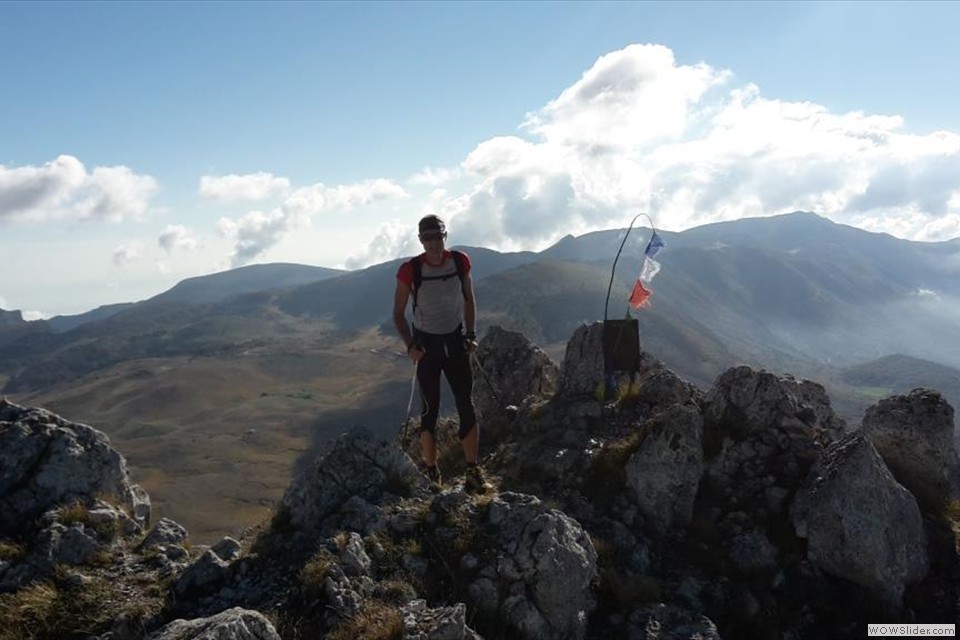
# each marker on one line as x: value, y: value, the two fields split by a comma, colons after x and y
x: 446, y: 353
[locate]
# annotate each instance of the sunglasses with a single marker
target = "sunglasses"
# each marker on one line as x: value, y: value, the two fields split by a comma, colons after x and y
x: 433, y: 235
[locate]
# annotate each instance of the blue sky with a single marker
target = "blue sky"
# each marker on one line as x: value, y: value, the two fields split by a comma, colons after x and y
x: 144, y: 143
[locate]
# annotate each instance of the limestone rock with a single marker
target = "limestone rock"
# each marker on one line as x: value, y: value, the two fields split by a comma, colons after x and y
x: 233, y: 624
x: 46, y: 461
x: 664, y: 473
x: 914, y: 435
x: 762, y: 434
x: 860, y: 523
x: 551, y: 561
x: 443, y: 623
x: 358, y: 465
x: 202, y: 576
x: 164, y: 533
x: 744, y: 401
x: 508, y: 370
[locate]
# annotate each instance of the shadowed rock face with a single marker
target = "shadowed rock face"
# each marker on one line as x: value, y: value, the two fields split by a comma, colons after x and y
x: 358, y: 466
x: 522, y: 372
x: 664, y: 473
x: 914, y: 434
x: 46, y: 461
x: 861, y: 524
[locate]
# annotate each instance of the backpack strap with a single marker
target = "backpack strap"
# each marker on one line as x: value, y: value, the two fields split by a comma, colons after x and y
x: 458, y: 261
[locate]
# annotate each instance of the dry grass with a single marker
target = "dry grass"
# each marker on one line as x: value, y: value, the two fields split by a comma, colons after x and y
x: 214, y: 440
x: 376, y: 621
x: 951, y: 513
x: 11, y: 551
x: 74, y: 513
x: 56, y: 611
x: 606, y: 477
x: 314, y: 572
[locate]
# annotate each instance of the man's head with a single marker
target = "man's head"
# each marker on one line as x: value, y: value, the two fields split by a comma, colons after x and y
x: 431, y: 228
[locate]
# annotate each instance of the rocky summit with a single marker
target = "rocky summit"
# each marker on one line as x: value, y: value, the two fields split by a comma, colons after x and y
x: 625, y: 505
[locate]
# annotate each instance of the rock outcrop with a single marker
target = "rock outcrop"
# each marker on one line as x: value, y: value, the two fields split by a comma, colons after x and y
x: 914, y: 434
x: 860, y: 524
x: 523, y: 373
x: 359, y: 467
x: 232, y: 624
x: 46, y: 461
x: 664, y: 472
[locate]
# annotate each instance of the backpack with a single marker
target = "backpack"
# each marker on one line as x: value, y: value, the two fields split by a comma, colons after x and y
x: 418, y: 278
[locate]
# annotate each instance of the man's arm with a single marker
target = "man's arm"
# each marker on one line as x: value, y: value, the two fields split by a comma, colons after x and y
x: 469, y: 306
x: 400, y: 312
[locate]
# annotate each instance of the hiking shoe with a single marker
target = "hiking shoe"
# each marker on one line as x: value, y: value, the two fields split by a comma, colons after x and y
x: 436, y: 481
x: 474, y: 480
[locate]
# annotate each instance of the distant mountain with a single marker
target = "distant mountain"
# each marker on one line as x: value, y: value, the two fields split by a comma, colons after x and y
x: 793, y: 293
x: 61, y: 324
x: 258, y: 277
x: 364, y: 298
x: 898, y: 374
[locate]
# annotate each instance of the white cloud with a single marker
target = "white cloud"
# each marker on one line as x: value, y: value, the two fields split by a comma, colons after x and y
x: 627, y: 99
x: 256, y: 232
x: 640, y: 132
x: 177, y: 236
x: 392, y: 239
x: 251, y: 187
x: 127, y: 253
x: 4, y: 303
x: 64, y: 190
x: 434, y: 176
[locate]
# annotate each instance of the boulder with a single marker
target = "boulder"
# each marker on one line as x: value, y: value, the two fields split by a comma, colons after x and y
x: 46, y: 461
x: 663, y: 474
x: 442, y: 623
x: 549, y: 561
x: 358, y: 465
x: 232, y: 624
x: 744, y: 401
x: 860, y: 524
x: 164, y: 533
x: 509, y: 369
x: 914, y: 435
x: 762, y: 433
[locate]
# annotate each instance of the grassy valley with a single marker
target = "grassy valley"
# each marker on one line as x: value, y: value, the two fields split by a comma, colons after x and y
x: 215, y: 439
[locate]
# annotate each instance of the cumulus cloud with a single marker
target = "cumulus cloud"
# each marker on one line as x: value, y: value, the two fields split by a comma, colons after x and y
x: 640, y: 132
x: 434, y: 176
x: 254, y: 233
x: 251, y: 187
x: 127, y: 253
x: 177, y: 236
x: 65, y: 190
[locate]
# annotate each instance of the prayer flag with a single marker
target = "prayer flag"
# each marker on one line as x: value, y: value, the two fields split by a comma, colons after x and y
x: 639, y: 296
x: 649, y: 269
x: 654, y: 246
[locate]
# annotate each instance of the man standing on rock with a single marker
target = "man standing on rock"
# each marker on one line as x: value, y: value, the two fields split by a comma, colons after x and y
x: 442, y: 339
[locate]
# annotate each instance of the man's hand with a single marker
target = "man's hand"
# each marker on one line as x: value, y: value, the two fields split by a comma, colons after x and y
x: 415, y: 352
x: 470, y: 341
